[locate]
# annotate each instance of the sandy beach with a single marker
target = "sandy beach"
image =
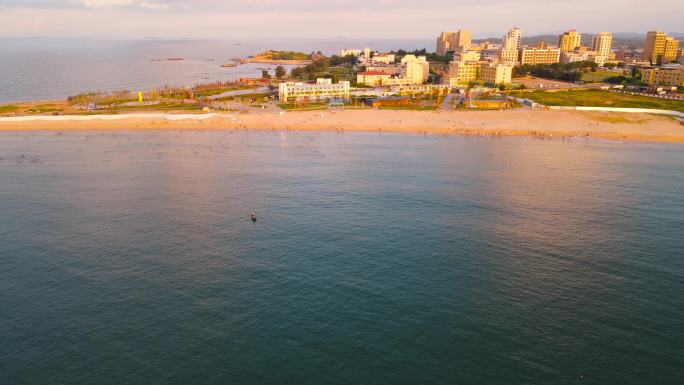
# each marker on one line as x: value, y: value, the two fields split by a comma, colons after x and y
x: 535, y: 123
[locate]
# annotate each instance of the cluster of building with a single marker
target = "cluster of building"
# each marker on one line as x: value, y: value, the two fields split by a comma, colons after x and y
x: 381, y: 69
x: 493, y: 64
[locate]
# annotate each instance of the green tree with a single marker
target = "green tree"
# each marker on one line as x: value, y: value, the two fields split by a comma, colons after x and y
x: 280, y: 72
x: 265, y: 74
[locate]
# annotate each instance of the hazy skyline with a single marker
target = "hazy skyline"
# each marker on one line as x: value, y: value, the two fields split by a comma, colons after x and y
x: 330, y: 18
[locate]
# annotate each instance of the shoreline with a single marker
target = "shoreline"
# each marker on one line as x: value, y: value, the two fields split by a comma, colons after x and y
x: 531, y: 123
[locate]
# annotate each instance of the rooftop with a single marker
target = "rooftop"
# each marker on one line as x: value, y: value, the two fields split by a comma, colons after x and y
x: 369, y: 73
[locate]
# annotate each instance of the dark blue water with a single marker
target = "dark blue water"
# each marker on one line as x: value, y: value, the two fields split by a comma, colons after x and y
x: 130, y: 258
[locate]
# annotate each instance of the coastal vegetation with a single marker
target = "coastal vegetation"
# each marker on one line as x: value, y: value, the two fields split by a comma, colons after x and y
x: 335, y: 67
x: 8, y: 108
x: 165, y: 93
x: 599, y: 98
x: 282, y: 55
x: 430, y: 56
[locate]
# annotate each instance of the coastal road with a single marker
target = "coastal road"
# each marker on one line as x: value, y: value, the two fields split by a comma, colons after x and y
x: 447, y: 103
x: 240, y: 92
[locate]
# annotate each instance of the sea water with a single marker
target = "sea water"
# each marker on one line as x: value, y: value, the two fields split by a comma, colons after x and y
x: 131, y: 258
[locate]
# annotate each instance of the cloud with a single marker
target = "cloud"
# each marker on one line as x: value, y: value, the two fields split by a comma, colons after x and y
x: 403, y: 19
x: 123, y: 3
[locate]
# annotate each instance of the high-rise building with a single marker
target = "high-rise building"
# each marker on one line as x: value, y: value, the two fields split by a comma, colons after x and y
x: 601, y: 43
x: 570, y: 40
x: 513, y: 39
x: 510, y: 46
x: 453, y: 41
x: 660, y: 48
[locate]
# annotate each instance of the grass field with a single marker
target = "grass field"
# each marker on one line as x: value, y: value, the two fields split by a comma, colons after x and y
x: 598, y: 76
x: 8, y: 108
x: 596, y: 98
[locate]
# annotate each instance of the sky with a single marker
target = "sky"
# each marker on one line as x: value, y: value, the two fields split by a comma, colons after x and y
x: 400, y: 19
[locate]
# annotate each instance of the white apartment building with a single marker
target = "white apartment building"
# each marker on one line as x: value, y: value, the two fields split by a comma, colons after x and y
x: 348, y: 52
x: 323, y: 89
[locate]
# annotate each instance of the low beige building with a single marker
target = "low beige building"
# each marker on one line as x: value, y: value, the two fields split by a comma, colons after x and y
x: 666, y: 75
x: 571, y: 57
x: 372, y: 78
x: 383, y: 58
x: 416, y: 89
x: 384, y: 68
x: 509, y: 56
x: 539, y: 56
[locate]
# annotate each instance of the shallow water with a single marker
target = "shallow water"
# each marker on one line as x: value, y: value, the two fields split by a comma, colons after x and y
x: 377, y: 259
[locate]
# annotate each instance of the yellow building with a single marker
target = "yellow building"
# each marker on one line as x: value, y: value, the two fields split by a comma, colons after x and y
x: 496, y: 73
x: 371, y: 78
x: 453, y: 41
x: 539, y: 56
x: 467, y: 56
x: 464, y: 72
x: 415, y: 69
x: 660, y: 48
x: 322, y: 90
x: 509, y: 56
x: 570, y: 40
x: 666, y: 75
x: 602, y: 43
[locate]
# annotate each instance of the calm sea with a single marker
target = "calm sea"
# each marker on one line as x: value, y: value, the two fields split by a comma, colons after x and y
x: 130, y: 258
x: 35, y: 69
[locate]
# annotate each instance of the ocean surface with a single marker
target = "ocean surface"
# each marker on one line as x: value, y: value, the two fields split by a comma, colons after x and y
x: 43, y: 68
x: 130, y: 258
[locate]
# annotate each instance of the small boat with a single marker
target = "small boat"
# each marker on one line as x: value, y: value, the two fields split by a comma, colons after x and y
x: 254, y: 219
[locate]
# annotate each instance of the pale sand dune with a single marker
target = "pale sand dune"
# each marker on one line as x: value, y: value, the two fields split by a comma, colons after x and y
x: 613, y: 126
